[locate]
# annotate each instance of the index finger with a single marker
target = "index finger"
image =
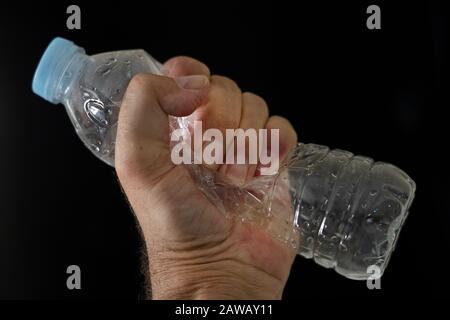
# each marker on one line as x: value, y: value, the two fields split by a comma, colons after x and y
x: 184, y: 66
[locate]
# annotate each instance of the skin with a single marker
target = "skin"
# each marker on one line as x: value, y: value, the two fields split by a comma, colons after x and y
x: 194, y: 251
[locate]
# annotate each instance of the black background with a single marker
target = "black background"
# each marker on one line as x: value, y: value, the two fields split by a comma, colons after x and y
x: 381, y: 93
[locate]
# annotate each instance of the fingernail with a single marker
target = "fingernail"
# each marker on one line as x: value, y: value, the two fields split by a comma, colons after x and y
x: 195, y: 82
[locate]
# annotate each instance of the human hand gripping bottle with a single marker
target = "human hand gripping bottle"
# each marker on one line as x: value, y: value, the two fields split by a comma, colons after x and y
x: 341, y: 210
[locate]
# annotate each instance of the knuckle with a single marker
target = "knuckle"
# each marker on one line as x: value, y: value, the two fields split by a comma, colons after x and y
x: 258, y: 101
x: 278, y: 121
x: 185, y: 65
x: 225, y: 82
x: 286, y: 128
x: 174, y: 63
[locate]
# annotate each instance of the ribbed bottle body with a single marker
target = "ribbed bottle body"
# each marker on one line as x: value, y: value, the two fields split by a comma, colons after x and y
x: 347, y: 210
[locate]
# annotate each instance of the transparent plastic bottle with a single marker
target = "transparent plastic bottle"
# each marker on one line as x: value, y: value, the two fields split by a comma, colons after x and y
x: 91, y: 88
x: 343, y: 211
x: 348, y: 210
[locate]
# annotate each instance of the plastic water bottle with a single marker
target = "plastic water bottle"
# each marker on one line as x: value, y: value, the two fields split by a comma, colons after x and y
x: 348, y: 210
x: 343, y: 211
x: 91, y: 88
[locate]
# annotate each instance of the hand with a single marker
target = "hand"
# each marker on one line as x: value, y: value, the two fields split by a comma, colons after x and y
x: 194, y: 251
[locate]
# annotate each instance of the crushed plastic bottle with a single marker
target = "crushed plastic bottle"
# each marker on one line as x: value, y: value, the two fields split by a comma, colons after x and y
x: 341, y: 210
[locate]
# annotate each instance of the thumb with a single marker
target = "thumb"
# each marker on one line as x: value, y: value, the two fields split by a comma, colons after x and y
x: 142, y: 143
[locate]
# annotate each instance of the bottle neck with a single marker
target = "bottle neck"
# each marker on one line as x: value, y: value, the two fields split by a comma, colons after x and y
x: 71, y: 73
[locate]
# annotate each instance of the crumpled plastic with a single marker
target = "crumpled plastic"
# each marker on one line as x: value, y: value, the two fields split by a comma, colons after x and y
x: 264, y: 202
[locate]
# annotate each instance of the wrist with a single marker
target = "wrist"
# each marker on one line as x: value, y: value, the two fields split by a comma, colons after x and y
x: 224, y: 280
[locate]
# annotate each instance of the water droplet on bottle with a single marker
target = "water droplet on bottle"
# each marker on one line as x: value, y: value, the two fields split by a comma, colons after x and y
x: 95, y: 110
x: 95, y: 148
x: 129, y: 74
x: 111, y: 61
x: 107, y: 67
x: 370, y: 220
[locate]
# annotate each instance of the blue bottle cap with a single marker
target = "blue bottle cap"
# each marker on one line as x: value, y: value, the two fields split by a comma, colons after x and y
x: 51, y: 67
